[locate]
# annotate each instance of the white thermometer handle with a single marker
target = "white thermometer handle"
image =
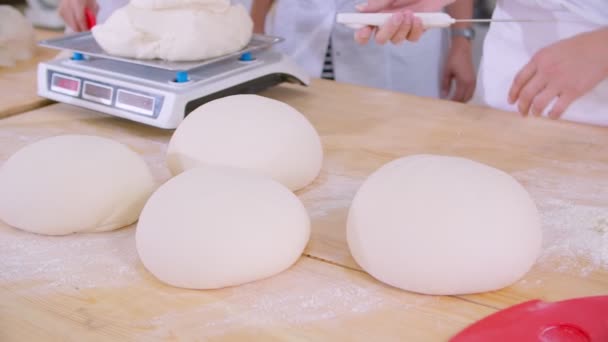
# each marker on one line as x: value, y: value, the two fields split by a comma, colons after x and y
x: 359, y: 20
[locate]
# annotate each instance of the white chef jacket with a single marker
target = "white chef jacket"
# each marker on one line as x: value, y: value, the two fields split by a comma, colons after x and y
x: 508, y: 47
x: 308, y: 25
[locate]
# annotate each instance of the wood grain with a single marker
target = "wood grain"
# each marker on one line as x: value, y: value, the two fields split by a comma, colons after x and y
x: 311, y: 301
x: 361, y: 129
x: 556, y: 160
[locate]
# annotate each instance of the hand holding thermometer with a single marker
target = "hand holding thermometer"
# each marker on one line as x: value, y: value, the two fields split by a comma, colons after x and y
x: 429, y: 19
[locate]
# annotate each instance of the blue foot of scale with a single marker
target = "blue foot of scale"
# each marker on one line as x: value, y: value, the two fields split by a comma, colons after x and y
x: 246, y: 57
x: 77, y: 56
x: 182, y: 77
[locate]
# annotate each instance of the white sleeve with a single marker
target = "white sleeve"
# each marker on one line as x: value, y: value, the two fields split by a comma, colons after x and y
x: 595, y: 11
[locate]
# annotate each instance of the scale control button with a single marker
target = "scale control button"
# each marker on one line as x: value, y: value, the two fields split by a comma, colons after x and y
x: 77, y: 56
x: 182, y: 77
x: 247, y: 57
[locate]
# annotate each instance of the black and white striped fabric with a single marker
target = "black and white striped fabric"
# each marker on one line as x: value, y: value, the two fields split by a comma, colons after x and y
x: 328, y: 66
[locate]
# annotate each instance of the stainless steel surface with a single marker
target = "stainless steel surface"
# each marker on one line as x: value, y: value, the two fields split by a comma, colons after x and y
x: 111, y: 70
x: 85, y: 43
x: 509, y: 21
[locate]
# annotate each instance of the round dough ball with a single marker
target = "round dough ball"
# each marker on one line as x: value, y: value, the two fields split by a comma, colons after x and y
x: 73, y: 183
x: 251, y: 132
x: 443, y: 226
x: 176, y: 30
x: 214, y: 227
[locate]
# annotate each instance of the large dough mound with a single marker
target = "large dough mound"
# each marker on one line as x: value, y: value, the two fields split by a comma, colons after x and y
x: 213, y: 227
x: 209, y: 5
x: 251, y: 132
x: 443, y: 226
x: 73, y: 183
x: 175, y: 30
x: 17, y: 38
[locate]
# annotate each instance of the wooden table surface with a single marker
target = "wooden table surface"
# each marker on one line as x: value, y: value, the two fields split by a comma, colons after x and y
x: 18, y: 84
x: 93, y: 287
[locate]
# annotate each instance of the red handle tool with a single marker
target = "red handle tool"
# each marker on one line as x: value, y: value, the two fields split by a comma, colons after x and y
x: 90, y: 17
x: 574, y: 320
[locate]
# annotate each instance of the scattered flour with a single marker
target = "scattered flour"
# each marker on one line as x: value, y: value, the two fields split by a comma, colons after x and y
x: 575, y: 221
x: 42, y: 265
x: 49, y: 263
x: 331, y: 192
x: 285, y: 300
x: 574, y: 212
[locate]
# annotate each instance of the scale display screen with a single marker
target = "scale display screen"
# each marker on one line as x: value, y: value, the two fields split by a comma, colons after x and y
x: 135, y: 102
x: 98, y: 91
x: 65, y: 85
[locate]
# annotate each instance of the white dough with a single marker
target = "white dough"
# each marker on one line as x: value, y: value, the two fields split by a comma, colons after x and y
x: 17, y: 37
x: 251, y: 132
x: 73, y: 183
x: 214, y: 227
x: 211, y: 5
x: 443, y: 226
x: 176, y: 30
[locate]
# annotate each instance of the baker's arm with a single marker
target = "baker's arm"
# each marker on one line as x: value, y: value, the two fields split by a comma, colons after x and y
x: 403, y: 25
x: 458, y: 70
x: 462, y: 9
x: 259, y: 11
x: 561, y: 72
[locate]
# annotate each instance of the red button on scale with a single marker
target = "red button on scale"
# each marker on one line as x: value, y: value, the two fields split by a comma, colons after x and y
x: 574, y: 320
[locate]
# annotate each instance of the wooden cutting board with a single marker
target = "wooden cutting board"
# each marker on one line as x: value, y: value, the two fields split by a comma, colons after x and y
x: 563, y: 165
x: 18, y: 84
x: 93, y: 286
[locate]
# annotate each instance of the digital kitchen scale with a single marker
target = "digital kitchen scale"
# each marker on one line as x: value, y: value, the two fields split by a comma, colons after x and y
x: 155, y: 92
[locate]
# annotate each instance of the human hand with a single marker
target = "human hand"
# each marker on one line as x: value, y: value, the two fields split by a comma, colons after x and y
x: 396, y: 5
x: 258, y: 27
x: 73, y: 13
x: 563, y: 71
x: 459, y: 70
x: 402, y: 26
x: 259, y: 12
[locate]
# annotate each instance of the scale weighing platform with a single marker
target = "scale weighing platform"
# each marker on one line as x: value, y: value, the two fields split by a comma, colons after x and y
x: 155, y: 92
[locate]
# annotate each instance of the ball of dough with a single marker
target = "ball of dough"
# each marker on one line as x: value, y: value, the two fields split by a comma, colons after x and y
x: 214, y: 227
x: 17, y: 37
x: 443, y: 226
x: 212, y: 5
x: 251, y: 132
x: 186, y: 30
x: 73, y: 183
